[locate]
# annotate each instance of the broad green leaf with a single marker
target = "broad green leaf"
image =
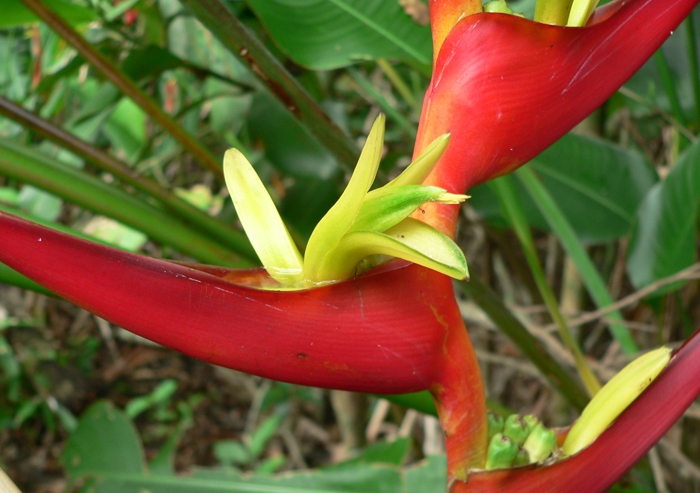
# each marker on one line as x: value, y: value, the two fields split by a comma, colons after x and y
x: 427, y: 475
x: 261, y: 221
x: 39, y: 203
x: 305, y: 203
x: 597, y: 185
x: 115, y: 233
x: 105, y: 442
x: 382, y: 453
x: 288, y: 146
x: 149, y: 61
x: 106, y: 448
x: 328, y: 34
x: 14, y: 13
x: 126, y: 128
x: 665, y: 236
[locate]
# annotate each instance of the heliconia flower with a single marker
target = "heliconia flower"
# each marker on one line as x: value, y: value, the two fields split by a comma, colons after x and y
x: 506, y: 87
x: 395, y: 329
x: 363, y: 224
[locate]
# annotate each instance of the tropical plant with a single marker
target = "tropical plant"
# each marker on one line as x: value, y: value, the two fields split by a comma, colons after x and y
x: 370, y: 306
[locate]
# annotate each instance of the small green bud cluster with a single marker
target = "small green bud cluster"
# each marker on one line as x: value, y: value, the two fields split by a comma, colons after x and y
x: 517, y: 441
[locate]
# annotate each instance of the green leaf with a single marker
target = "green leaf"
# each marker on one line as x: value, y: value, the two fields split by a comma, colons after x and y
x: 149, y: 61
x: 393, y: 453
x: 126, y: 128
x: 14, y: 13
x: 664, y: 237
x: 597, y: 185
x: 104, y: 443
x: 328, y: 34
x: 38, y: 203
x: 427, y: 475
x: 263, y: 434
x: 591, y: 277
x: 288, y: 146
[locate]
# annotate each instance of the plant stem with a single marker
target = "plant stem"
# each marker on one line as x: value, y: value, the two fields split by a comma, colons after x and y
x: 246, y: 47
x: 378, y: 98
x: 566, y: 234
x: 30, y: 166
x: 693, y: 63
x: 397, y: 82
x: 126, y: 85
x: 512, y: 209
x: 228, y: 236
x: 669, y: 86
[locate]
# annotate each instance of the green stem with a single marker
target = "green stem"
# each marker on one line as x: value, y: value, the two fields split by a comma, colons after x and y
x: 246, y: 47
x: 125, y: 85
x: 498, y: 312
x: 693, y: 62
x: 669, y: 87
x: 513, y: 211
x: 378, y: 98
x: 32, y: 167
x: 397, y: 82
x: 566, y: 234
x: 199, y: 219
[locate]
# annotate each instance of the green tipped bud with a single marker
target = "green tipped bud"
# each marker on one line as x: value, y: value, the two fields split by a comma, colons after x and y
x: 522, y: 458
x: 540, y: 444
x: 498, y: 7
x: 515, y: 428
x: 495, y: 422
x: 501, y: 453
x: 531, y: 421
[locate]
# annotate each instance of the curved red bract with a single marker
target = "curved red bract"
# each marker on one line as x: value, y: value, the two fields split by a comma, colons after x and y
x: 383, y: 332
x: 506, y: 87
x: 614, y: 452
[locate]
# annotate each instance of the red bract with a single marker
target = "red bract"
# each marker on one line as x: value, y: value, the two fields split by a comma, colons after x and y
x: 634, y: 432
x: 397, y: 329
x: 507, y: 87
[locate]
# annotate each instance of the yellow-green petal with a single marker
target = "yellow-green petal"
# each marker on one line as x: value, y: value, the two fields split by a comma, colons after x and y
x: 553, y: 12
x: 387, y: 207
x: 261, y: 221
x: 410, y: 240
x: 338, y: 220
x: 581, y: 11
x: 614, y: 398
